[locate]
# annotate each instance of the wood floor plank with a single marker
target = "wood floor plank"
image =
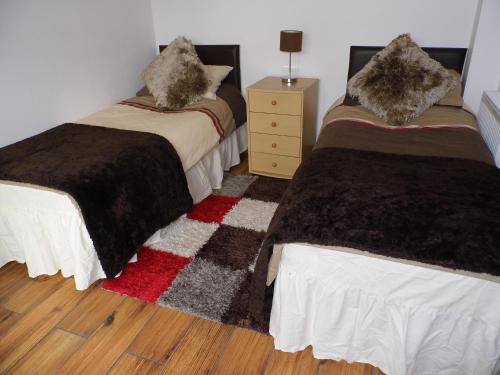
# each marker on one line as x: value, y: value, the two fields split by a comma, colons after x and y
x: 50, y: 354
x: 132, y: 365
x: 161, y: 334
x: 242, y: 168
x: 299, y: 363
x: 376, y: 371
x: 247, y: 352
x: 357, y: 369
x: 12, y: 276
x: 305, y: 362
x: 328, y: 367
x: 34, y: 325
x: 92, y: 312
x: 199, y: 349
x: 7, y: 320
x: 31, y: 293
x: 103, y: 348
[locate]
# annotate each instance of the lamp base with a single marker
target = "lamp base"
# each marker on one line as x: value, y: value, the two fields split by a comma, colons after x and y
x: 289, y: 81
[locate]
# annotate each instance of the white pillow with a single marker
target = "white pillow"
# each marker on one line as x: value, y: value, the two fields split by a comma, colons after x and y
x: 215, y: 75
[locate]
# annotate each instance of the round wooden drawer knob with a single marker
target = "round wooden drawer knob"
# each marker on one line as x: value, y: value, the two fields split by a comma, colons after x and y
x: 274, y: 145
x: 273, y: 124
x: 274, y: 165
x: 274, y: 102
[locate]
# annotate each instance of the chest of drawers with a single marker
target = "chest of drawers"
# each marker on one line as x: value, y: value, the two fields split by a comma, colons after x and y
x: 281, y: 125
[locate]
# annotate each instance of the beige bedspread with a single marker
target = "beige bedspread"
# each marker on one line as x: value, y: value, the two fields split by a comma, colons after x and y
x: 193, y: 132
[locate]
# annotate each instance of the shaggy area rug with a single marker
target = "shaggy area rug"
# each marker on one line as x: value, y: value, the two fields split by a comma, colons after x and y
x: 203, y: 262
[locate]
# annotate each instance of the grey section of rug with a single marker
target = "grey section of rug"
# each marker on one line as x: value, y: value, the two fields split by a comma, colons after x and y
x: 235, y: 186
x: 204, y: 289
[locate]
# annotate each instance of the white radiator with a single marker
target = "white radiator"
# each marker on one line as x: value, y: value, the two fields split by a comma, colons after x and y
x: 488, y: 119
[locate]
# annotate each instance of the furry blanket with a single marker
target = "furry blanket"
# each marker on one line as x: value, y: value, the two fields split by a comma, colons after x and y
x: 439, y: 211
x: 127, y: 184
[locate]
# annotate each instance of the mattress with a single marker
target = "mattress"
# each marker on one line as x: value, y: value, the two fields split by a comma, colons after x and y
x: 45, y: 229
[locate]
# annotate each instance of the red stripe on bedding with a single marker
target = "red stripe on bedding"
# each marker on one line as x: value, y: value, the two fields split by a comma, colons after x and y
x: 361, y: 122
x: 215, y: 120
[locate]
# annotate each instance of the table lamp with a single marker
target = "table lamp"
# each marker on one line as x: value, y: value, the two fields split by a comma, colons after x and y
x: 290, y: 41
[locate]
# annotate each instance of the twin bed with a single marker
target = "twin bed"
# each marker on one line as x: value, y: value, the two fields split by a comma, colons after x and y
x: 385, y: 246
x: 146, y: 166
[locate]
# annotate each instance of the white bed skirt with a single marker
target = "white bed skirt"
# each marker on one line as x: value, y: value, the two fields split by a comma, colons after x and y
x: 401, y: 318
x: 45, y: 229
x: 207, y: 174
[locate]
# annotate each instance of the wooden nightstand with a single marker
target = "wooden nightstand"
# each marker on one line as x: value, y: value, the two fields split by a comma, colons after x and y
x: 281, y: 125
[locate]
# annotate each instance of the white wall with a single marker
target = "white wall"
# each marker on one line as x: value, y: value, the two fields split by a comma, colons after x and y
x: 63, y: 59
x: 484, y: 67
x: 329, y: 27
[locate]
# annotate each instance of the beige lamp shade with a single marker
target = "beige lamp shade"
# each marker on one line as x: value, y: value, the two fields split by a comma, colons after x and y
x: 291, y: 41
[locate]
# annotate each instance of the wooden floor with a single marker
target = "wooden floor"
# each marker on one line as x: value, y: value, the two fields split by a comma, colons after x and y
x: 241, y: 168
x: 46, y: 327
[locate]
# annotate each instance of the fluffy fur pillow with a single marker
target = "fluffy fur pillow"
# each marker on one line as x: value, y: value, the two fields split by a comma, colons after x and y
x: 400, y: 82
x: 176, y: 77
x: 452, y: 99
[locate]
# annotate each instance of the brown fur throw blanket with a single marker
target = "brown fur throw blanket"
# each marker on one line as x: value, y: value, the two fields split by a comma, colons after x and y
x: 127, y: 184
x: 435, y: 210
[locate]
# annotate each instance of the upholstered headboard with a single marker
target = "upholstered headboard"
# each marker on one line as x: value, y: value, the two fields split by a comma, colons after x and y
x: 450, y: 58
x: 221, y: 54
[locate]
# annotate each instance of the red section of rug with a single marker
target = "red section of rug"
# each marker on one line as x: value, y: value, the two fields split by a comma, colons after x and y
x: 150, y: 276
x: 212, y: 209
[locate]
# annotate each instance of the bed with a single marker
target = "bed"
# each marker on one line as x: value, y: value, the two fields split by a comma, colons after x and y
x: 151, y: 166
x: 385, y: 247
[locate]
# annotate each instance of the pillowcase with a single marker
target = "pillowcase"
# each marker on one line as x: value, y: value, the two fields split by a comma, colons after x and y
x: 454, y: 96
x: 215, y: 75
x: 176, y: 77
x: 143, y: 92
x: 400, y: 82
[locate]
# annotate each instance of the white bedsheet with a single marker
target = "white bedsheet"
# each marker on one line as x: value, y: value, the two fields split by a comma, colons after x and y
x: 401, y: 318
x: 45, y: 229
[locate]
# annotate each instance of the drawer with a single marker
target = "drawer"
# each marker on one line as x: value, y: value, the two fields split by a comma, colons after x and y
x: 275, y: 102
x: 275, y: 144
x: 274, y: 164
x: 275, y: 124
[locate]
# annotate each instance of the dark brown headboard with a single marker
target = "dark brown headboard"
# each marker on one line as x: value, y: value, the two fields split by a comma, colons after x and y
x: 450, y: 58
x: 220, y: 54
